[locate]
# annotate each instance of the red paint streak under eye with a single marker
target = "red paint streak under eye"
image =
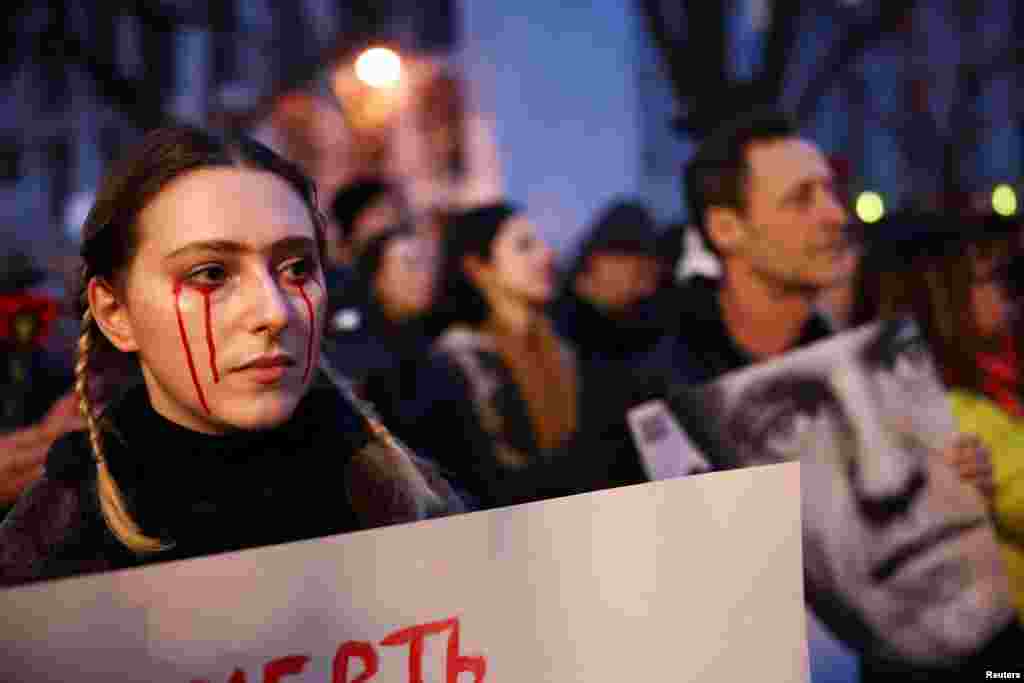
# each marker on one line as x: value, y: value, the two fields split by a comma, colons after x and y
x: 312, y: 332
x: 188, y: 351
x: 209, y: 332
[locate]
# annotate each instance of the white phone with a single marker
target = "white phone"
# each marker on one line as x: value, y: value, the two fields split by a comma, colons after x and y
x: 665, y: 449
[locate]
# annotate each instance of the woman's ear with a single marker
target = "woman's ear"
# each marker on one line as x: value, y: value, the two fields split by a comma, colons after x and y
x: 111, y: 315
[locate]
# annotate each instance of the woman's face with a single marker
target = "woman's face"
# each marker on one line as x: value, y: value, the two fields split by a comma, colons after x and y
x: 991, y: 302
x: 223, y: 300
x: 521, y: 267
x: 404, y: 284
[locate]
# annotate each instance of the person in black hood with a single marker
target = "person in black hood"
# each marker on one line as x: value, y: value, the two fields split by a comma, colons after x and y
x: 609, y: 306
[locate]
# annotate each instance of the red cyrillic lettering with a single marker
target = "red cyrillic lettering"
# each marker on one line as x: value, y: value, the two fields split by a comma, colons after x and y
x: 414, y: 636
x: 350, y: 650
x: 457, y: 663
x: 284, y: 666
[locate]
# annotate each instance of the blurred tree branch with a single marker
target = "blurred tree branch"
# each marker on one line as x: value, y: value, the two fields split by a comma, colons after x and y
x: 696, y: 57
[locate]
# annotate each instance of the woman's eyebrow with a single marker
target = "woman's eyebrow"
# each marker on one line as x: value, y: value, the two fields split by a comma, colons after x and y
x: 287, y: 244
x: 291, y: 245
x: 206, y: 245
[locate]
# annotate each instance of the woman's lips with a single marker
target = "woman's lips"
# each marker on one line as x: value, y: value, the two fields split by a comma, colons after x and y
x: 266, y: 375
x: 267, y: 369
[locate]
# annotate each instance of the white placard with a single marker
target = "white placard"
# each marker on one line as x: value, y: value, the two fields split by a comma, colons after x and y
x: 694, y: 579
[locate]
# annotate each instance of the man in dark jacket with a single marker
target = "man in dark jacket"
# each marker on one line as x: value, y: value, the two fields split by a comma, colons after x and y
x: 762, y: 199
x: 764, y: 202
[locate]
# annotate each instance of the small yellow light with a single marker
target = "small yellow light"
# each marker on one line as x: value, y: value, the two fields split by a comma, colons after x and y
x: 1004, y: 200
x: 870, y: 207
x: 379, y: 67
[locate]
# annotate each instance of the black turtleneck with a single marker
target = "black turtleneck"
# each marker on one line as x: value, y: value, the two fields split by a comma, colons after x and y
x: 210, y: 494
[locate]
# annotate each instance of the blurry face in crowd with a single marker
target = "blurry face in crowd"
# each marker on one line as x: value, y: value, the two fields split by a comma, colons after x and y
x: 404, y: 284
x: 791, y: 233
x: 381, y: 214
x: 521, y: 267
x: 899, y: 556
x: 336, y: 247
x: 222, y: 301
x: 991, y: 301
x: 618, y: 281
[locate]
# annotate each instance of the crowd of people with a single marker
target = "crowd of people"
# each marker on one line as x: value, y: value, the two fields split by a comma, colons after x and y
x: 227, y: 328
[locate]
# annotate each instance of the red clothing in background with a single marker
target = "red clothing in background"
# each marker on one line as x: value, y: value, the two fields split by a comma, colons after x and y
x: 1001, y: 377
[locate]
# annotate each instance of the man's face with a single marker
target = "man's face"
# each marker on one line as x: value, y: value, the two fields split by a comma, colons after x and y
x: 793, y: 226
x: 899, y: 556
x: 618, y: 281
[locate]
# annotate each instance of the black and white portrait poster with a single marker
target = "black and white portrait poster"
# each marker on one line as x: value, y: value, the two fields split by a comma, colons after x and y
x: 901, y: 563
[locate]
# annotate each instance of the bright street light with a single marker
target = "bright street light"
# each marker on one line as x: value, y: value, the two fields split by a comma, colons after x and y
x: 870, y: 207
x: 379, y: 67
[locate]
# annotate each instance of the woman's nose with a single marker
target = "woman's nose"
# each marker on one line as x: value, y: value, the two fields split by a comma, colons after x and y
x: 270, y: 309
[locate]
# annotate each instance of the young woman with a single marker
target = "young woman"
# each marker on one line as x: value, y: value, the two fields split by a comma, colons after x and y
x: 504, y: 396
x: 953, y: 277
x: 202, y: 260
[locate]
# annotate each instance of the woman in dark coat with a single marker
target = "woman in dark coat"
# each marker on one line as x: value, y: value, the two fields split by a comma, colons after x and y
x: 502, y: 403
x: 202, y: 261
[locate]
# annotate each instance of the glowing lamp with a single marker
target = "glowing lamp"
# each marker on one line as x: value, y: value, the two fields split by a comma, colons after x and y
x: 1004, y: 200
x: 379, y: 67
x: 870, y: 207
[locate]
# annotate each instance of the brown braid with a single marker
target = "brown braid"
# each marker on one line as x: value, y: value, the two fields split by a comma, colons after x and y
x: 112, y: 504
x: 386, y: 458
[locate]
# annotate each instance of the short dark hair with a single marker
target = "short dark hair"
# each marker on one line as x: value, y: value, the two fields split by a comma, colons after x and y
x: 717, y: 174
x: 469, y: 233
x: 352, y: 199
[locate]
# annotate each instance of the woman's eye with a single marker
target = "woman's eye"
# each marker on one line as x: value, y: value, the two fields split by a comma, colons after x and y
x: 208, y: 275
x: 298, y: 270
